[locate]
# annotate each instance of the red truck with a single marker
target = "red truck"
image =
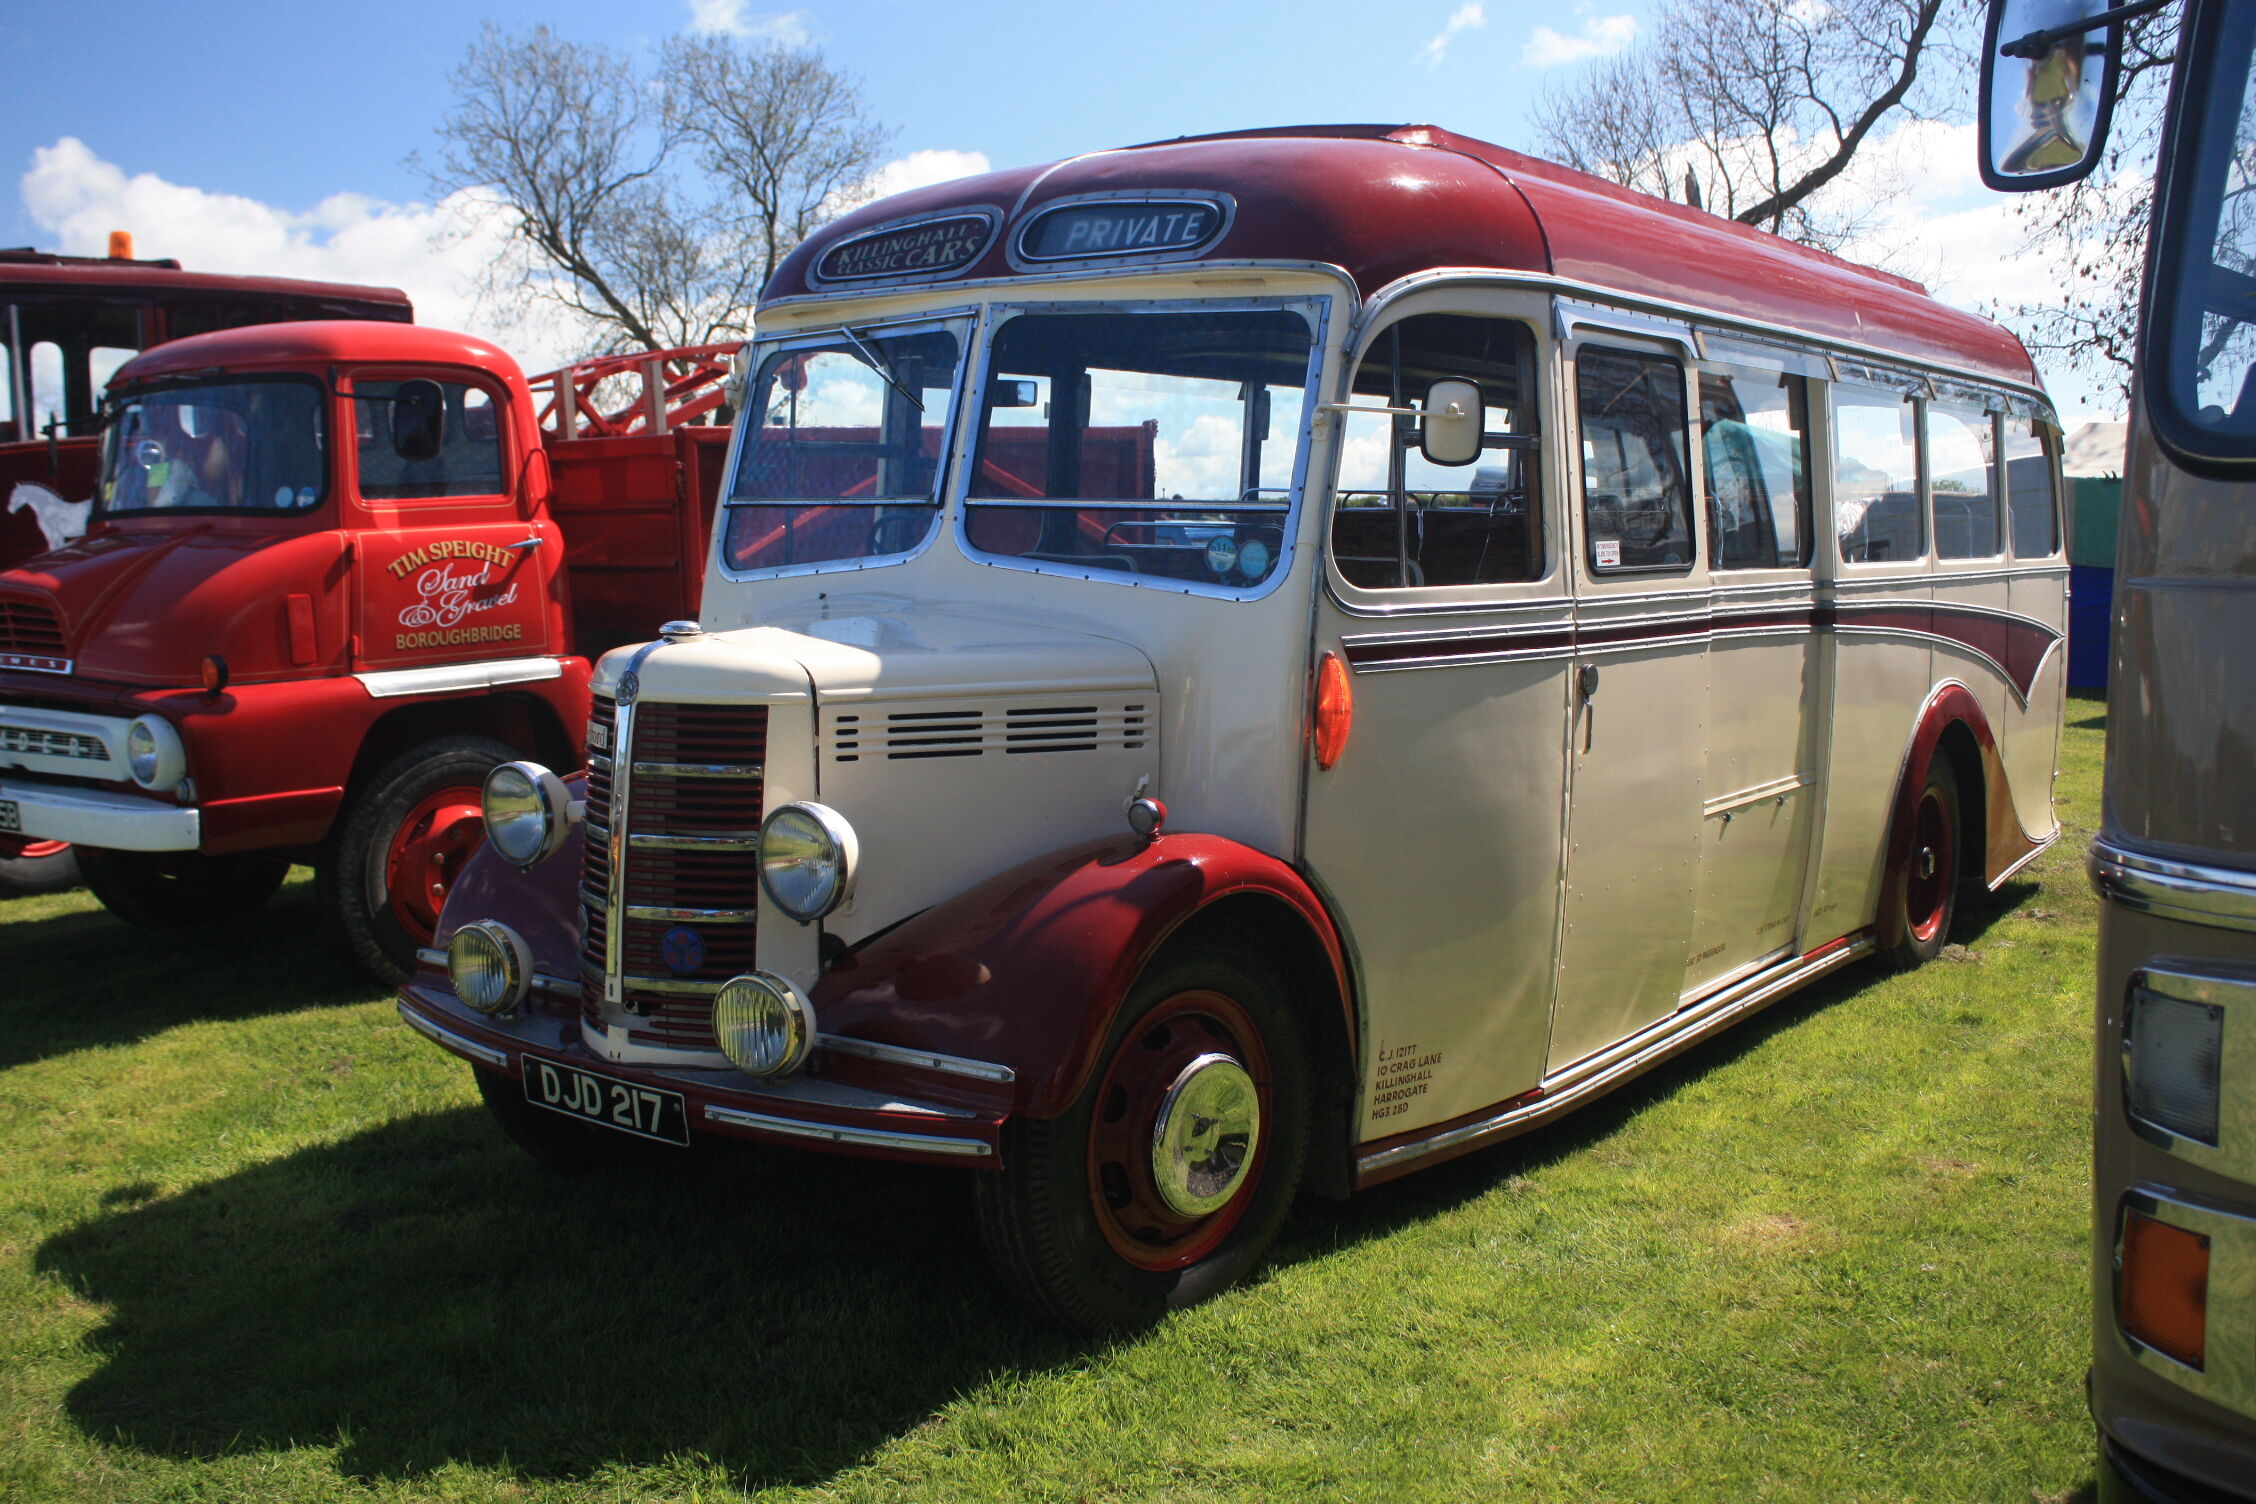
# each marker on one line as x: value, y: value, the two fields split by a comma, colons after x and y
x: 67, y: 323
x: 335, y: 572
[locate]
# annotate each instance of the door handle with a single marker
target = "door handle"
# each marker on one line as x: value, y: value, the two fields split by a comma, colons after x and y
x: 1586, y: 683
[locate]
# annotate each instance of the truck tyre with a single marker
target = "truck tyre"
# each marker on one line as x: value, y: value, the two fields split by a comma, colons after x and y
x: 169, y: 889
x: 1921, y: 898
x: 554, y: 1141
x: 1166, y: 1180
x: 397, y: 848
x: 41, y: 867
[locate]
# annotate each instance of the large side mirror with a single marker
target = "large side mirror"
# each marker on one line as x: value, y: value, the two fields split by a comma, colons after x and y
x: 2048, y: 91
x: 1449, y: 433
x: 418, y: 420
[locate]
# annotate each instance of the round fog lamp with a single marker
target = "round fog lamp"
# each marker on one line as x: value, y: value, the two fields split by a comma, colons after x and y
x: 807, y: 858
x: 528, y: 812
x: 153, y: 753
x: 765, y: 1027
x: 489, y: 965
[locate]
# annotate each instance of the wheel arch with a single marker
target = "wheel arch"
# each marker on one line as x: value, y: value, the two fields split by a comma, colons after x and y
x: 526, y: 722
x: 1952, y: 724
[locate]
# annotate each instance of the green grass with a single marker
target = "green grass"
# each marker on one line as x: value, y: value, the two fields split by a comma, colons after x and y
x: 258, y: 1242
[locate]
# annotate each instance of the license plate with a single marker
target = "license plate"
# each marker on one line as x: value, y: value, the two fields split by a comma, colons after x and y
x: 11, y: 816
x: 643, y: 1111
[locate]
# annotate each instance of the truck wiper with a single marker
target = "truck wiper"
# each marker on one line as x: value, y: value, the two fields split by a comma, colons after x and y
x: 878, y: 364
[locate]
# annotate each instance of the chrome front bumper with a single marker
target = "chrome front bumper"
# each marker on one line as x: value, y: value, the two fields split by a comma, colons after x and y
x: 96, y: 817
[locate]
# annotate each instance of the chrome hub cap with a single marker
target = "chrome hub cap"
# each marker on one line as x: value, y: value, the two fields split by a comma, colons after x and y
x: 1203, y: 1141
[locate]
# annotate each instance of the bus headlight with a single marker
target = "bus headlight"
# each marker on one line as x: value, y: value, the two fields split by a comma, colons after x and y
x: 489, y: 965
x: 153, y: 753
x: 808, y: 854
x: 765, y: 1027
x: 528, y: 812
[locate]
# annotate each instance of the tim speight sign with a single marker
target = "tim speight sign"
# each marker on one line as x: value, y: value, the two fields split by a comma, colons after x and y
x: 1073, y: 232
x: 932, y: 248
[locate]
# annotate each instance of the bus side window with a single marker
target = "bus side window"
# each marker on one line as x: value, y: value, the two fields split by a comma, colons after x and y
x: 1876, y: 477
x: 1754, y: 429
x: 74, y: 348
x: 1636, y: 503
x: 1401, y: 521
x: 1962, y: 479
x: 2030, y: 499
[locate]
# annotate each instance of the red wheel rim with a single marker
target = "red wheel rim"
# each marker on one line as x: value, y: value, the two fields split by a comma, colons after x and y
x: 1135, y: 1218
x: 35, y: 850
x: 426, y: 854
x: 1933, y: 867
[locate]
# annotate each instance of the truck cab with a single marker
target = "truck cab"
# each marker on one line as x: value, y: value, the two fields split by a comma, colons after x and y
x: 322, y: 593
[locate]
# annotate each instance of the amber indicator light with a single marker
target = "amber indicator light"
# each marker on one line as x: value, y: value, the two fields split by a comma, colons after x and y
x: 215, y: 674
x: 1335, y: 710
x: 2164, y: 1290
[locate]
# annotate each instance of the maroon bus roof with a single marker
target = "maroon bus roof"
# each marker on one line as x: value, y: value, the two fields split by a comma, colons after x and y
x: 1383, y: 202
x: 121, y: 279
x: 316, y: 342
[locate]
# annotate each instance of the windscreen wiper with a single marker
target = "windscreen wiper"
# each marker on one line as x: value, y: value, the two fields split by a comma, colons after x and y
x: 877, y: 363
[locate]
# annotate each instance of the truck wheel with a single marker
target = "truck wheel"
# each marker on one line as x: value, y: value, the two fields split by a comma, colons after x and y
x: 556, y: 1142
x: 1166, y: 1180
x: 41, y: 867
x: 168, y: 889
x: 399, y: 846
x: 1921, y: 898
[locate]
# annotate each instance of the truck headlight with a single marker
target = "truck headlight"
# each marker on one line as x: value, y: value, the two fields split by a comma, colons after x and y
x: 153, y: 753
x: 763, y: 1024
x: 490, y: 966
x: 808, y: 854
x: 528, y: 812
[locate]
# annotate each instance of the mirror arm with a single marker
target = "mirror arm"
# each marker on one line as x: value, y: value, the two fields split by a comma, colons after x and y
x: 2037, y: 43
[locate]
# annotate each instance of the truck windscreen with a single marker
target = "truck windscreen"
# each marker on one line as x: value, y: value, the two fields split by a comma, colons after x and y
x: 249, y: 446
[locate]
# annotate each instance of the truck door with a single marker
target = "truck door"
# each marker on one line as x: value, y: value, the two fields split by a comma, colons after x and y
x: 451, y: 572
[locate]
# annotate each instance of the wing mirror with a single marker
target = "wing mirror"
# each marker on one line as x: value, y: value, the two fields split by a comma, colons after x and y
x: 418, y: 420
x: 2048, y: 91
x: 1449, y: 428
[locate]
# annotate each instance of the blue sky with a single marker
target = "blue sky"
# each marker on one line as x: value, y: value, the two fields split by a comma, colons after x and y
x: 257, y: 135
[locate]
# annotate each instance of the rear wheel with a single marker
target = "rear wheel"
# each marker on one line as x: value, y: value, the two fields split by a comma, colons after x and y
x: 399, y: 846
x: 168, y: 889
x: 1167, y: 1179
x: 1922, y: 893
x: 41, y: 867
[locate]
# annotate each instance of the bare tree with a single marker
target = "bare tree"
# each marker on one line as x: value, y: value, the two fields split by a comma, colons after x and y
x: 581, y: 162
x: 2093, y: 235
x: 1755, y: 107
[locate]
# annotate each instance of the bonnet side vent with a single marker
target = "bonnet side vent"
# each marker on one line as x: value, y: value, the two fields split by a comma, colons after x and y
x: 934, y: 733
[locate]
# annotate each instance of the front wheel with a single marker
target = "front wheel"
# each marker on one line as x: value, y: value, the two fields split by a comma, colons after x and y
x: 174, y: 889
x: 40, y: 867
x: 399, y: 846
x: 1921, y: 898
x: 1167, y: 1179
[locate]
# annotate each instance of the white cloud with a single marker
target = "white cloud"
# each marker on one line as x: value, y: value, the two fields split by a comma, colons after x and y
x: 727, y: 18
x: 433, y: 252
x: 921, y: 169
x: 1467, y: 17
x: 1602, y: 36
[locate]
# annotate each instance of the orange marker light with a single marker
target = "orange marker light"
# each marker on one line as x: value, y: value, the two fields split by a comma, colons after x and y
x: 1335, y: 710
x: 2165, y: 1287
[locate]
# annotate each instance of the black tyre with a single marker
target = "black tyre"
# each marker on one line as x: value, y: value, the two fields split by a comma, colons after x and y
x: 171, y: 889
x: 43, y: 867
x: 553, y: 1140
x: 399, y: 845
x: 1920, y: 901
x: 1168, y: 1178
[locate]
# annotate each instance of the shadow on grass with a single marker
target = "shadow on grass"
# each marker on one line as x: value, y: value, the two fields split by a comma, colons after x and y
x: 85, y: 979
x: 421, y: 1294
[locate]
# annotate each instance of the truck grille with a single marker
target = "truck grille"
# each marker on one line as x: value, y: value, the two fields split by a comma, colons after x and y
x: 695, y: 801
x: 30, y: 636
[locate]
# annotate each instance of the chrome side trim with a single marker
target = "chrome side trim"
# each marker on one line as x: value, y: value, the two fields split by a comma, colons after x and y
x: 831, y: 1133
x: 2220, y: 897
x: 447, y: 1039
x: 741, y: 841
x: 1595, y: 1074
x: 1777, y: 788
x: 2024, y: 860
x: 701, y: 769
x: 693, y: 916
x: 456, y: 676
x: 893, y: 1054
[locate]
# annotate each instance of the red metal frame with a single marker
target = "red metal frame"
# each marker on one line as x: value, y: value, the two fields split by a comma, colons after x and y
x: 673, y: 388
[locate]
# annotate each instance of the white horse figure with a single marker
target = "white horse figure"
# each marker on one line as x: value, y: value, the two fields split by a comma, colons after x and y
x: 60, y: 520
